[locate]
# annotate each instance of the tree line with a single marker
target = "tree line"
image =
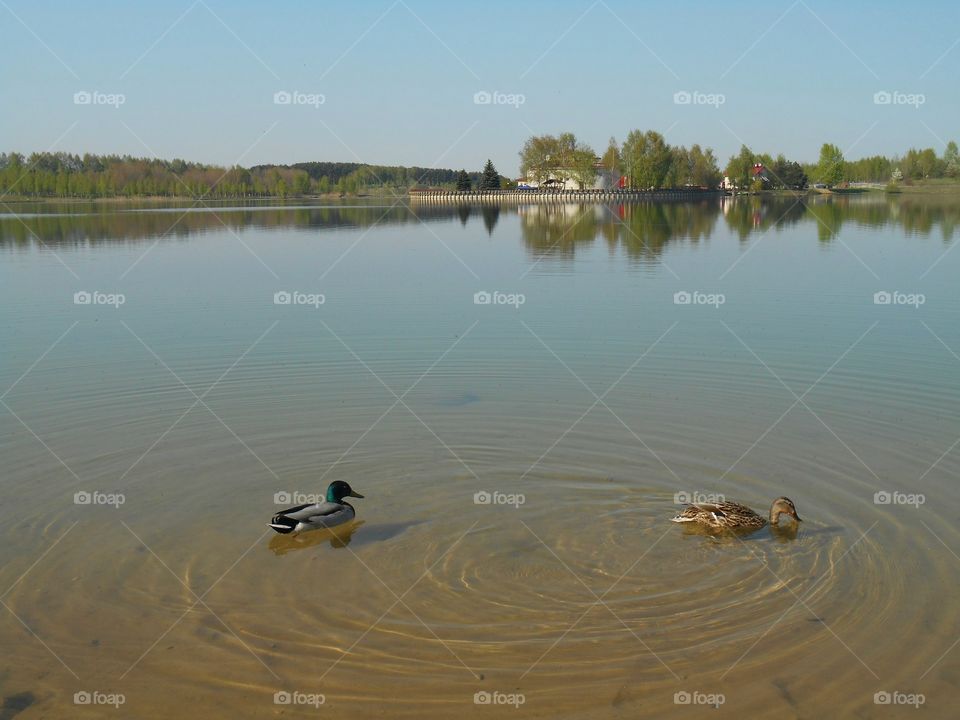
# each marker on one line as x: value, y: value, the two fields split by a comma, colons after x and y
x: 647, y: 161
x: 59, y: 174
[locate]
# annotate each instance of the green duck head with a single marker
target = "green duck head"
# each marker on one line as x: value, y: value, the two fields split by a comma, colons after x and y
x: 338, y: 490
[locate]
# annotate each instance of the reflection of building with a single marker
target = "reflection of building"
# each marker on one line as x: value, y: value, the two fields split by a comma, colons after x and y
x: 605, y: 179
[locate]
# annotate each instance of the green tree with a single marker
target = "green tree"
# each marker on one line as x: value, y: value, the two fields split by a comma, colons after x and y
x: 539, y: 157
x: 740, y: 168
x: 703, y: 168
x: 830, y: 170
x: 647, y: 158
x: 611, y: 157
x: 463, y: 182
x: 951, y: 160
x: 789, y: 175
x: 490, y: 180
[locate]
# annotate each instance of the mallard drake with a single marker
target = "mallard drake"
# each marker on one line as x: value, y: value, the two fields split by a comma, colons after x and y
x: 734, y: 515
x: 334, y: 511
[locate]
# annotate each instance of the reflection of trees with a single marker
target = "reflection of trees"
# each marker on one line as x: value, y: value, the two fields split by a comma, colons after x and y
x: 641, y: 229
x: 747, y: 215
x: 556, y: 230
x: 920, y: 215
x: 491, y: 214
x: 95, y: 223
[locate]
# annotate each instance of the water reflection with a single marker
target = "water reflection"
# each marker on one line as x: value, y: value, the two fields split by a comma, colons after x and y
x: 338, y: 537
x: 353, y: 534
x: 641, y: 229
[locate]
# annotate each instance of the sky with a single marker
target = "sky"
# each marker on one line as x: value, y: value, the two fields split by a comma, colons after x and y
x: 449, y: 84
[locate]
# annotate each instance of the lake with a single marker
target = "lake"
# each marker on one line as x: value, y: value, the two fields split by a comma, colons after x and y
x: 525, y: 395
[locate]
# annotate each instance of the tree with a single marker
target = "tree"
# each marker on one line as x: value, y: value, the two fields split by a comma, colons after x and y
x: 928, y: 163
x: 491, y: 178
x: 740, y: 168
x: 538, y: 157
x: 463, y: 182
x: 788, y: 175
x: 951, y: 160
x: 583, y: 166
x: 647, y: 158
x: 611, y: 158
x: 830, y: 170
x: 703, y: 168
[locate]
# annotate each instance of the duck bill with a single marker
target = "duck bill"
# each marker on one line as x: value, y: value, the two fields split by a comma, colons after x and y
x: 797, y: 518
x: 354, y: 493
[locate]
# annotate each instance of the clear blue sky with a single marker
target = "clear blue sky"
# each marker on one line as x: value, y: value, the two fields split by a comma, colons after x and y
x: 399, y: 78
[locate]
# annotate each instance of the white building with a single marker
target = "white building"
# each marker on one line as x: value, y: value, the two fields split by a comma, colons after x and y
x: 605, y: 180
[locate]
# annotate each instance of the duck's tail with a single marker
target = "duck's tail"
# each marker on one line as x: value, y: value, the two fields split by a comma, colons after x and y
x: 282, y: 524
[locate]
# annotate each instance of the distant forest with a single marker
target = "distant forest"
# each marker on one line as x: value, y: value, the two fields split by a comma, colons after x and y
x: 103, y: 176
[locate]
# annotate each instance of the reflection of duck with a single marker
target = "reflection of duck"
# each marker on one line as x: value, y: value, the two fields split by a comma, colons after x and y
x: 732, y: 515
x: 338, y: 538
x: 334, y: 511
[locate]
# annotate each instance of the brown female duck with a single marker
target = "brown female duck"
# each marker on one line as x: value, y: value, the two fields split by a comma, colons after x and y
x: 733, y: 515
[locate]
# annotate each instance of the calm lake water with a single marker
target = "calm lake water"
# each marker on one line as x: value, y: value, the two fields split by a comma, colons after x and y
x: 631, y: 357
